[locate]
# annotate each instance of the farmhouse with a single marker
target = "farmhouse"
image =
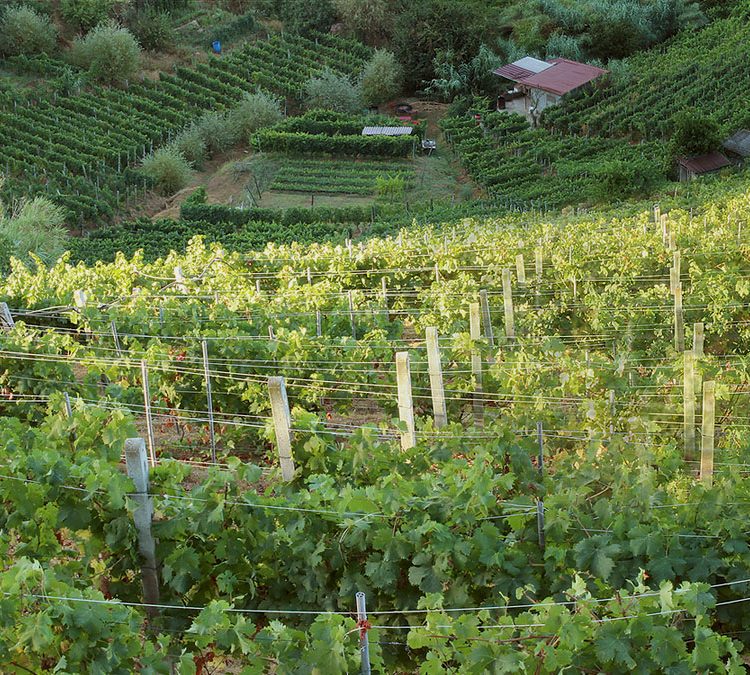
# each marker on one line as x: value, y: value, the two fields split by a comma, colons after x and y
x: 540, y: 84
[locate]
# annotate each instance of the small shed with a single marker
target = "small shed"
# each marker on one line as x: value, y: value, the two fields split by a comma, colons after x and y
x: 387, y: 131
x: 700, y: 165
x: 739, y: 144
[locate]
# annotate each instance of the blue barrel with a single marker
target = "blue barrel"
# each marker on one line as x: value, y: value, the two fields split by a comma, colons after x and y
x: 216, y: 44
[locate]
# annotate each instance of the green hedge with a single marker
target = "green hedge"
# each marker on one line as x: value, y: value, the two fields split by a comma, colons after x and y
x: 216, y: 213
x: 270, y: 140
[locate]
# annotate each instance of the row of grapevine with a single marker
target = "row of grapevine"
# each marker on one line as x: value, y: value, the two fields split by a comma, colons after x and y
x: 347, y: 177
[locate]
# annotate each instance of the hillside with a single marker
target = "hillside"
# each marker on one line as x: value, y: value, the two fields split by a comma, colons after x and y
x: 373, y: 405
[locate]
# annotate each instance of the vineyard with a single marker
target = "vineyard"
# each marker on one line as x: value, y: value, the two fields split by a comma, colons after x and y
x: 80, y: 149
x: 501, y: 432
x: 348, y: 403
x: 533, y: 166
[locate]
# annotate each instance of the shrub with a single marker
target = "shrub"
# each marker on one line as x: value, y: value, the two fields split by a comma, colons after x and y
x: 331, y: 91
x: 216, y: 131
x: 254, y: 112
x: 168, y: 169
x: 26, y: 32
x: 37, y: 226
x: 111, y: 53
x: 303, y: 16
x: 190, y: 144
x: 369, y: 20
x: 85, y: 14
x: 152, y: 29
x: 564, y: 46
x: 391, y: 187
x: 381, y: 78
x: 620, y: 179
x: 693, y: 133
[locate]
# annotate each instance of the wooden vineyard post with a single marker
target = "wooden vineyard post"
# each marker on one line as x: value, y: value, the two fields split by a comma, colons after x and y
x: 510, y: 327
x: 318, y: 323
x: 384, y: 287
x: 179, y: 279
x: 520, y: 269
x: 351, y: 313
x: 6, y: 319
x: 436, y: 377
x: 679, y: 326
x: 136, y: 464
x: 209, y: 400
x: 698, y: 340
x: 707, y: 433
x: 147, y: 409
x: 487, y: 318
x: 80, y: 299
x: 282, y: 425
x: 688, y: 397
x: 539, y: 269
x: 405, y: 402
x: 476, y: 362
x: 675, y: 271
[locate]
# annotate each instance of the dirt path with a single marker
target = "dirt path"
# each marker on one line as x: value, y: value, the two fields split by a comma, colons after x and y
x: 222, y: 187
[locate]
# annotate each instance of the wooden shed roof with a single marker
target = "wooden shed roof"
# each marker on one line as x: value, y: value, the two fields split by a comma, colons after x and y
x: 712, y: 161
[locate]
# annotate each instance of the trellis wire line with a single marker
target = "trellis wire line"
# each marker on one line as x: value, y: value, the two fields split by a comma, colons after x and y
x: 303, y: 612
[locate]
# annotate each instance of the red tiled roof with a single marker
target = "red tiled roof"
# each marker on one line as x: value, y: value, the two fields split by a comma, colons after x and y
x: 713, y: 161
x: 564, y: 76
